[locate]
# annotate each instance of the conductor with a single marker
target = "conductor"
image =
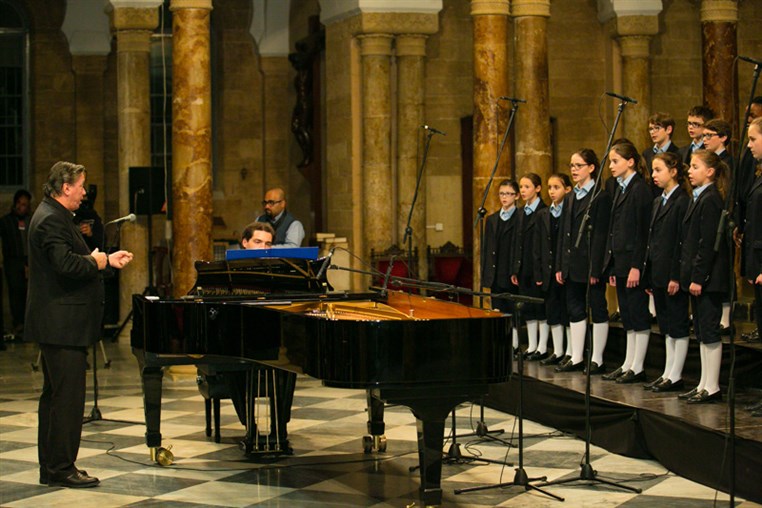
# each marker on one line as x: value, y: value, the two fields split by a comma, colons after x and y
x: 65, y: 309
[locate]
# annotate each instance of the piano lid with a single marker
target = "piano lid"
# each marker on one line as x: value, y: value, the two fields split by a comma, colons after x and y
x: 260, y: 276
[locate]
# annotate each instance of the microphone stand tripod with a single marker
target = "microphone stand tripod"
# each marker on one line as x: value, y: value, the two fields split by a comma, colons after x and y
x: 520, y: 479
x: 95, y: 412
x: 587, y: 473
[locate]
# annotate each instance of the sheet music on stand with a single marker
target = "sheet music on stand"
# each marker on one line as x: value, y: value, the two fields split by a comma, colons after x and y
x: 277, y: 252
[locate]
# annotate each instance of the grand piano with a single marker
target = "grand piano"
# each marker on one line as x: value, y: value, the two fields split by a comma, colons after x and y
x: 429, y: 355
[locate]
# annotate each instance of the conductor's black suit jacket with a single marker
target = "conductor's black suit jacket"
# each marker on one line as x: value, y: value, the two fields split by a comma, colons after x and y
x: 65, y: 300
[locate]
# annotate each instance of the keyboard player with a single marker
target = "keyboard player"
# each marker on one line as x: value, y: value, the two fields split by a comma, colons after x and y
x: 274, y: 386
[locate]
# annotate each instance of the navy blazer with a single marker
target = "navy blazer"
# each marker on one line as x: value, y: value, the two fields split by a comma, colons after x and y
x: 545, y: 248
x: 628, y: 228
x: 686, y: 152
x: 699, y: 262
x: 490, y: 264
x: 523, y: 255
x: 65, y: 298
x: 752, y: 239
x: 572, y: 261
x: 663, y: 255
x: 648, y: 155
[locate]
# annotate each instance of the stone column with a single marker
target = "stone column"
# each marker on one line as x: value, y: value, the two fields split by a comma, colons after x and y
x: 133, y: 27
x: 411, y: 54
x: 375, y: 51
x: 533, y: 152
x: 635, y: 34
x: 720, y: 47
x: 88, y: 76
x: 191, y: 140
x: 276, y: 87
x: 491, y: 41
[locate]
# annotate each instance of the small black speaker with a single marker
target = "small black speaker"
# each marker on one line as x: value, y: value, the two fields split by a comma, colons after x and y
x: 148, y: 190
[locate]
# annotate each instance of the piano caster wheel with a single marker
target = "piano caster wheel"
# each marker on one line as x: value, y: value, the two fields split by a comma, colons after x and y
x: 377, y: 443
x: 162, y: 456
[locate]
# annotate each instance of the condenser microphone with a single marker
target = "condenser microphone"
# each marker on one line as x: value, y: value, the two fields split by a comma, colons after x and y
x: 622, y: 97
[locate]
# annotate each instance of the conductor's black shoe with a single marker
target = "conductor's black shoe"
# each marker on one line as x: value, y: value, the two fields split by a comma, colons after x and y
x: 703, y: 397
x: 669, y: 386
x: 687, y: 395
x: 650, y: 386
x: 551, y: 360
x: 630, y: 377
x: 537, y: 356
x: 596, y: 369
x: 611, y: 376
x: 754, y: 407
x: 44, y: 475
x: 75, y: 480
x: 570, y: 367
x: 724, y: 330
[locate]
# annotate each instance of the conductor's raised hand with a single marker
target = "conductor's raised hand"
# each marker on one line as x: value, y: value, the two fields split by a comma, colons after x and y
x: 101, y: 259
x: 120, y: 258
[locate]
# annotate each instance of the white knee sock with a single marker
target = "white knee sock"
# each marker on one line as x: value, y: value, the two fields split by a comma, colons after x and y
x: 641, y: 348
x: 515, y: 339
x: 681, y: 351
x: 557, y: 332
x: 651, y: 305
x: 702, y: 380
x: 532, y: 335
x: 600, y: 336
x: 577, y: 340
x: 669, y: 347
x: 713, y: 363
x: 542, y: 343
x: 725, y: 320
x: 629, y: 353
x: 569, y: 342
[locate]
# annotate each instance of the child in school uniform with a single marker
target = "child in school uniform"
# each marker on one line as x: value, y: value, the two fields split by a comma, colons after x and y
x: 752, y: 238
x: 663, y: 267
x: 578, y: 265
x: 498, y: 248
x: 545, y: 249
x: 522, y: 275
x: 704, y: 272
x: 625, y: 256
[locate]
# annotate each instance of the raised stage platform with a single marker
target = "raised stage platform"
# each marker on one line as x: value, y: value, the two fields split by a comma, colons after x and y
x: 690, y: 440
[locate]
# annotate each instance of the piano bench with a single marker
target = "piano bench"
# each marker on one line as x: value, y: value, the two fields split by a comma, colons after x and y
x: 214, y: 386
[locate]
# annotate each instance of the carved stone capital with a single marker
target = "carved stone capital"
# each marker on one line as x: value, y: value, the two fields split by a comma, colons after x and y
x: 722, y: 11
x: 88, y: 64
x: 131, y: 18
x: 635, y: 46
x: 531, y: 8
x: 411, y: 45
x: 490, y: 8
x: 637, y: 25
x: 190, y: 4
x: 376, y: 44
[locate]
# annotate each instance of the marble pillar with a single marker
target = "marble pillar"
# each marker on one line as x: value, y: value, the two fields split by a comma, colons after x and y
x: 191, y: 140
x: 533, y: 153
x: 88, y: 77
x: 133, y: 36
x: 720, y: 47
x: 411, y: 55
x: 376, y: 51
x: 634, y: 34
x: 491, y: 42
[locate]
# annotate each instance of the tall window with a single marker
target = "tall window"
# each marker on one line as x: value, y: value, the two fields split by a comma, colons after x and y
x: 13, y: 98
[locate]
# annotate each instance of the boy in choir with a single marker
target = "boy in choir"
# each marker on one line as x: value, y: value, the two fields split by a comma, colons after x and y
x: 661, y: 126
x: 698, y: 116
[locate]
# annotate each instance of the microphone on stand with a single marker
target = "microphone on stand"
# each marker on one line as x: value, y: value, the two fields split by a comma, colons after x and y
x: 325, y: 263
x: 750, y: 60
x: 512, y: 99
x: 622, y: 97
x: 127, y: 218
x: 433, y: 130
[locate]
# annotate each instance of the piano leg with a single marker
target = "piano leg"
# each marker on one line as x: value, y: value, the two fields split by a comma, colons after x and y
x: 375, y: 440
x: 152, y: 378
x: 431, y: 413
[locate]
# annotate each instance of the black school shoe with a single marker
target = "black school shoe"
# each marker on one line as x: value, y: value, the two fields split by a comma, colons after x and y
x: 650, y: 386
x: 630, y: 377
x: 596, y: 369
x: 551, y: 360
x: 611, y: 376
x: 669, y: 386
x: 703, y: 397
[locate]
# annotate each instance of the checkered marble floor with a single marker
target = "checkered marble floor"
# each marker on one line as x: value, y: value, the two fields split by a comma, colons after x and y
x: 328, y: 467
